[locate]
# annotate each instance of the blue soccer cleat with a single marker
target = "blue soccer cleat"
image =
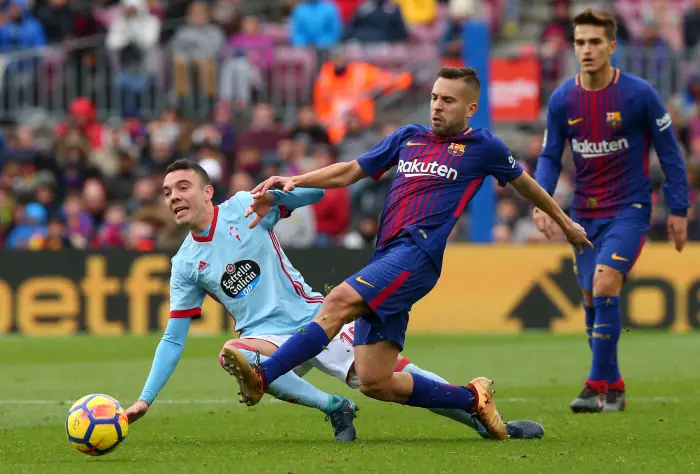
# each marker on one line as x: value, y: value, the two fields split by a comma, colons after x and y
x: 524, y: 429
x: 342, y: 421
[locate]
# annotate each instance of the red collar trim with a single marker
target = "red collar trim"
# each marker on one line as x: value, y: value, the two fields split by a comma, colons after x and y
x: 210, y: 235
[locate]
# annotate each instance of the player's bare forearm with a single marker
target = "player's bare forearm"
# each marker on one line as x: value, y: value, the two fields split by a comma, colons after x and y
x: 531, y: 190
x: 338, y: 175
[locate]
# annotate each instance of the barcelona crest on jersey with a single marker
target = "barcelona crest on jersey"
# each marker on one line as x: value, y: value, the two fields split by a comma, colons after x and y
x: 613, y: 119
x: 456, y: 149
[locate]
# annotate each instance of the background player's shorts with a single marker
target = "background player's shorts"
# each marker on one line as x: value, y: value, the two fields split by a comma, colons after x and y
x: 397, y: 276
x: 337, y: 360
x: 617, y: 243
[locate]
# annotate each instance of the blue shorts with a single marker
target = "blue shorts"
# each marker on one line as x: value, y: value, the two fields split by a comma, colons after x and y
x: 397, y: 276
x: 617, y: 243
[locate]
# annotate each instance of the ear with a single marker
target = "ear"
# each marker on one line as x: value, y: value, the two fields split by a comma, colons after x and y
x: 208, y: 192
x: 613, y: 47
x: 471, y: 110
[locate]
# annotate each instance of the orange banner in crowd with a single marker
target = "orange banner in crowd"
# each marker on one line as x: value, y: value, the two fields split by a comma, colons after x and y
x: 514, y: 91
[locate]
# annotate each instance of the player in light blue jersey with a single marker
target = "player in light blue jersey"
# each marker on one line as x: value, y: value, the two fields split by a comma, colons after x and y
x: 235, y: 258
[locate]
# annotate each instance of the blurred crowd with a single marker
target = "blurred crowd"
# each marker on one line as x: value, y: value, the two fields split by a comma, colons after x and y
x: 86, y: 181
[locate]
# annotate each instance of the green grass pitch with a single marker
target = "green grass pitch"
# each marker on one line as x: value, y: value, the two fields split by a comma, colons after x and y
x: 197, y: 424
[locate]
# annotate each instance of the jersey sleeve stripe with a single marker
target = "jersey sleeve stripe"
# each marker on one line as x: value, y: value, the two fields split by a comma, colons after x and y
x: 284, y: 212
x: 467, y: 196
x: 298, y: 287
x: 186, y: 313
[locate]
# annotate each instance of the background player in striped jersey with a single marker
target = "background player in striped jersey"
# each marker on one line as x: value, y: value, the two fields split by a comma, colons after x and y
x: 610, y: 118
x: 247, y: 271
x: 440, y: 168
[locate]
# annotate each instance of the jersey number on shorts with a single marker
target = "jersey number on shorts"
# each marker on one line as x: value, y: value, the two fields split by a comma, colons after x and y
x: 348, y: 336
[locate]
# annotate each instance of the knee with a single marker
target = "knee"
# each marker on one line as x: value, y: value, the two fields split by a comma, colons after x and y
x: 375, y: 388
x: 338, y: 307
x: 249, y: 352
x: 607, y: 281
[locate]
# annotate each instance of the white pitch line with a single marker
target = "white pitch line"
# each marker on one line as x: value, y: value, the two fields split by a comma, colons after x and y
x: 234, y: 402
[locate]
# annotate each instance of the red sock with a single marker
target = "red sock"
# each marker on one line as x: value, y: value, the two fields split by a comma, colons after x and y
x: 618, y: 385
x: 600, y: 386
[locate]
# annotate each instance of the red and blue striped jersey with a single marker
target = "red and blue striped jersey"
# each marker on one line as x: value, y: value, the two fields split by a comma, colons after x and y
x: 610, y: 132
x: 435, y: 180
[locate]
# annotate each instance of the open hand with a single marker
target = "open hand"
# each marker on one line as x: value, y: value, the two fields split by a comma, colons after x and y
x: 273, y: 182
x: 677, y: 227
x: 136, y: 411
x: 260, y: 206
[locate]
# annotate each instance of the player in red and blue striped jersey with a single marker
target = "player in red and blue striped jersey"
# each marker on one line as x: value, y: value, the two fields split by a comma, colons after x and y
x: 440, y: 168
x: 610, y: 119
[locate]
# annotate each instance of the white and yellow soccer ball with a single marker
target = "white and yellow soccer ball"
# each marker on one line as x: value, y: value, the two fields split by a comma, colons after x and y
x: 96, y: 424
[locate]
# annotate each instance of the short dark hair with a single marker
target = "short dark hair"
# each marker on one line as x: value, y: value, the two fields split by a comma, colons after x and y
x: 466, y: 74
x: 602, y: 18
x: 185, y: 164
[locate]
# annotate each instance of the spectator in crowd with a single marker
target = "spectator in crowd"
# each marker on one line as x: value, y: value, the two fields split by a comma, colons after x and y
x: 264, y: 133
x: 377, y: 21
x: 365, y: 235
x: 418, y: 12
x: 332, y: 213
x: 56, y: 235
x: 652, y: 53
x: 691, y: 26
x: 58, y: 20
x: 30, y: 231
x: 133, y: 37
x: 349, y: 87
x: 357, y: 140
x: 316, y: 24
x: 307, y: 127
x: 225, y: 14
x: 20, y: 30
x: 347, y: 9
x: 196, y: 47
x: 82, y: 120
x: 112, y: 233
x: 250, y: 57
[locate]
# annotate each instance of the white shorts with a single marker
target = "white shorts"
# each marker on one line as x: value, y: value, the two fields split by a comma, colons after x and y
x: 336, y: 360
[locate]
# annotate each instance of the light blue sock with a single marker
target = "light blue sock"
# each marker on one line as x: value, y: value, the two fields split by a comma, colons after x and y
x: 461, y: 416
x: 293, y: 389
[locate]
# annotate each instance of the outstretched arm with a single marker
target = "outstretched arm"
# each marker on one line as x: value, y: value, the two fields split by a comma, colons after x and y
x: 185, y: 304
x: 373, y: 163
x: 166, y: 358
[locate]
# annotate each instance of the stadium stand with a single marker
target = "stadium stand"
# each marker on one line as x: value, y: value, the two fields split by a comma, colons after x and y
x: 98, y: 97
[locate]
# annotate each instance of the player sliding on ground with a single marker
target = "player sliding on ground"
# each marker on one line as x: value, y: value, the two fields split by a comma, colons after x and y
x: 610, y: 118
x: 440, y: 168
x: 247, y: 271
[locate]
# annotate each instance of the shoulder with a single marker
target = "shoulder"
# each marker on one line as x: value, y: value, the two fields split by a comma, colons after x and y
x: 411, y: 129
x: 182, y: 260
x: 233, y: 205
x: 631, y: 81
x: 562, y: 93
x: 495, y: 143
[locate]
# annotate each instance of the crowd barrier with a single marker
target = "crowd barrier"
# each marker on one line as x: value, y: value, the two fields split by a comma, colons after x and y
x: 483, y: 289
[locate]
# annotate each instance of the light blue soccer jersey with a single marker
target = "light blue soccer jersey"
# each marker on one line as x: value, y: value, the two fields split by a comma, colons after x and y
x: 245, y: 270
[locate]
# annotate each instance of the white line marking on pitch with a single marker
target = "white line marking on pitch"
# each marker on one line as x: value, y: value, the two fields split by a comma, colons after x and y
x: 234, y: 402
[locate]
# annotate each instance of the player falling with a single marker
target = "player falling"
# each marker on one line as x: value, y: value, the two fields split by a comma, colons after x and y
x: 246, y: 271
x: 440, y: 168
x: 610, y: 118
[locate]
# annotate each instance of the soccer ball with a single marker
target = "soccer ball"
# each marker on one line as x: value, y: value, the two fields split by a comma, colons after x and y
x: 96, y: 424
